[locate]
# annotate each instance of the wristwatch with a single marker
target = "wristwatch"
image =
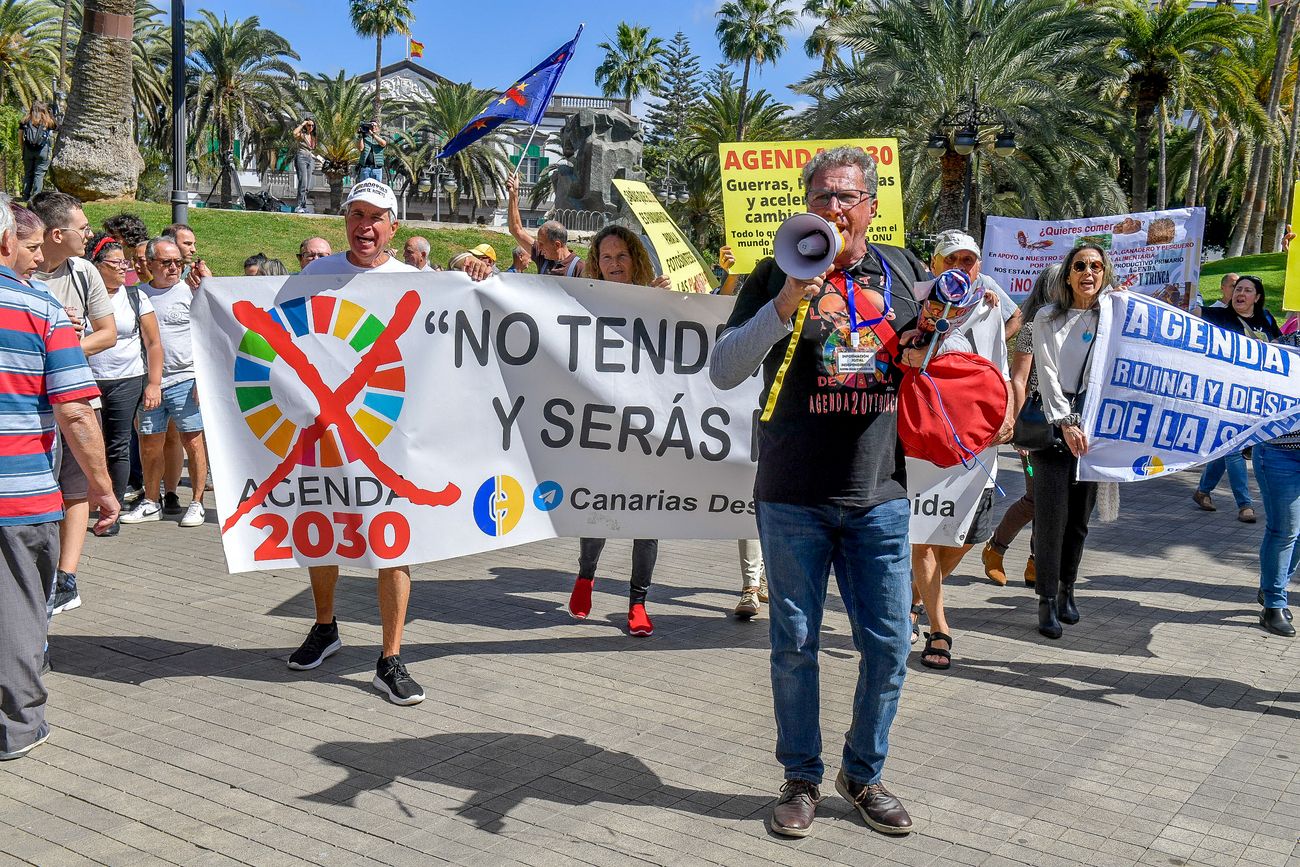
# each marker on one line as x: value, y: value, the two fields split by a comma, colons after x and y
x: 1073, y: 419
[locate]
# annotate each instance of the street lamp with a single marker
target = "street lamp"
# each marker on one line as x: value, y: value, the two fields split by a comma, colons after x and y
x: 670, y: 191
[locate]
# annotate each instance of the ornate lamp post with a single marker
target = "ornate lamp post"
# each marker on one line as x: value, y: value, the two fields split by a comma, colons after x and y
x: 670, y: 191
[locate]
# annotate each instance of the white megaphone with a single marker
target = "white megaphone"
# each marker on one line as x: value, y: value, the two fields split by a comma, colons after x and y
x: 805, y: 245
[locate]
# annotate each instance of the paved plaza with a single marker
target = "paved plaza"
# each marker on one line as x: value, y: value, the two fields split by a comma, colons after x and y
x: 1161, y: 730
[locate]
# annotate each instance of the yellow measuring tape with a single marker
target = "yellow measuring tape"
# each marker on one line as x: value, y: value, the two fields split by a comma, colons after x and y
x: 785, y: 362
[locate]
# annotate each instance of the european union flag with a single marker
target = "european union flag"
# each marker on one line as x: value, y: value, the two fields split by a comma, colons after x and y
x: 525, y: 100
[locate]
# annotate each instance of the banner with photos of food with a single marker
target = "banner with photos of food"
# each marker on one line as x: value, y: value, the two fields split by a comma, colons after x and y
x: 1156, y: 253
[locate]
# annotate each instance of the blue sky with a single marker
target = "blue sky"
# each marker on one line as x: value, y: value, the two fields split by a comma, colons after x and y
x: 490, y: 42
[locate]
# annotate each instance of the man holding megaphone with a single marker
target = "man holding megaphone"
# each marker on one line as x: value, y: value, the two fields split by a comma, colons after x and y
x: 822, y: 321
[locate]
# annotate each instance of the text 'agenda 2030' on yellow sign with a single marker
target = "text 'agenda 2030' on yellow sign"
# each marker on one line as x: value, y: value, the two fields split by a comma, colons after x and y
x: 676, y: 258
x: 762, y: 186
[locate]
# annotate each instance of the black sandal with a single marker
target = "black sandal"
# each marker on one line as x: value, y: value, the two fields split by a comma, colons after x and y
x: 931, y: 650
x: 918, y: 609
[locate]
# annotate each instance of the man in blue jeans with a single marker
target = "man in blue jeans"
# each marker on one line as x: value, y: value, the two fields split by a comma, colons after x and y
x: 831, y: 489
x: 1235, y: 464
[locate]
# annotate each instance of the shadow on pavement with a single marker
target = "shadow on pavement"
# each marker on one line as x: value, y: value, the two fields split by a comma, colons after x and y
x: 501, y: 770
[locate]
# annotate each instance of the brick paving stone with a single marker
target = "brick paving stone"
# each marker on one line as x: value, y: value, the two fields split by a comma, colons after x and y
x: 1161, y: 729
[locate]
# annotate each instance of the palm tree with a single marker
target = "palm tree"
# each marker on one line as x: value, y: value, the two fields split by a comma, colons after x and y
x: 716, y: 119
x: 1162, y: 45
x: 95, y: 156
x: 29, y: 32
x: 380, y: 19
x: 338, y: 105
x: 239, y: 74
x: 752, y: 32
x: 1040, y: 66
x: 632, y: 62
x: 1280, y: 77
x: 821, y: 40
x: 477, y: 168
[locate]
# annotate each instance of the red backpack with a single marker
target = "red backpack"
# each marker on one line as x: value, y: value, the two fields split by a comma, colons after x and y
x: 951, y: 411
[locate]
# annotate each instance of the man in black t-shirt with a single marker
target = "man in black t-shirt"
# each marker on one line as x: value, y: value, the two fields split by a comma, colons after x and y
x: 831, y: 488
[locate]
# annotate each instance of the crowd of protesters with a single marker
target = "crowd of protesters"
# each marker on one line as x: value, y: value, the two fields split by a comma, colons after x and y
x: 121, y: 298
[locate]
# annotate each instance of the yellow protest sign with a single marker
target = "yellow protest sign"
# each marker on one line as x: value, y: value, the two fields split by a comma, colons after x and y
x: 762, y: 186
x: 675, y: 255
x: 1291, y: 294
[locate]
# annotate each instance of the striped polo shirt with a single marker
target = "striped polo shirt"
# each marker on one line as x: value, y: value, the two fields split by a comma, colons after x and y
x: 41, y: 363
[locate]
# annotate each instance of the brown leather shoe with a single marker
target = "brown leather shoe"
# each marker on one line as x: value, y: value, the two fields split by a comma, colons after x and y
x: 794, y: 811
x: 993, y: 567
x: 1246, y: 515
x: 1203, y: 500
x: 877, y: 806
x: 1031, y: 572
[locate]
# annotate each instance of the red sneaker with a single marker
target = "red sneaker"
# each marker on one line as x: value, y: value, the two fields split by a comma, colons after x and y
x: 638, y: 622
x: 580, y: 598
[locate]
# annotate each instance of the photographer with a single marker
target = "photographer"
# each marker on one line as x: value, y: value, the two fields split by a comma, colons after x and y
x: 304, y: 159
x: 371, y: 144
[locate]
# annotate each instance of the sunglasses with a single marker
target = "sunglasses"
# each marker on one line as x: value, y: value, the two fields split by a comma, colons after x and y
x: 1095, y: 267
x: 169, y: 263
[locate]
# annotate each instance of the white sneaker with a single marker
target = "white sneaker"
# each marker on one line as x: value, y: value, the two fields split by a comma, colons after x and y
x: 145, y: 510
x: 194, y: 515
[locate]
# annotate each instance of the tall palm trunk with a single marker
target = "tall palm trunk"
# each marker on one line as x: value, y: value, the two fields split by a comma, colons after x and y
x: 379, y: 65
x: 1162, y: 181
x: 1250, y: 223
x: 952, y: 178
x: 1288, y: 174
x: 1144, y: 110
x: 1194, y: 168
x: 95, y: 156
x: 744, y: 98
x: 225, y: 145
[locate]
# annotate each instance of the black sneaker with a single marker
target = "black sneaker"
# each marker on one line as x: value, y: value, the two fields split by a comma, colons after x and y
x: 391, y: 678
x: 322, y: 642
x: 171, y: 504
x: 66, y: 596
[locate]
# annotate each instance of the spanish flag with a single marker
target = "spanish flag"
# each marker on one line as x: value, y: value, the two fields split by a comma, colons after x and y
x: 417, y: 49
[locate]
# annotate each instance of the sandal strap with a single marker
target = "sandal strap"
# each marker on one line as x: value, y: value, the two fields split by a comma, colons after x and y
x: 939, y: 636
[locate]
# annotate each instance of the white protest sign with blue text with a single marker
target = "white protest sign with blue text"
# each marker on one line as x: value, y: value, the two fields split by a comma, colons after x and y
x: 1168, y: 391
x: 386, y: 419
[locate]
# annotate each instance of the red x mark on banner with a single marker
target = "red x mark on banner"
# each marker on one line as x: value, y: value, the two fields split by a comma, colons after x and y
x: 334, y: 405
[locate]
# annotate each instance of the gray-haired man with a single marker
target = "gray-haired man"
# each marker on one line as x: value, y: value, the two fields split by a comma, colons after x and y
x: 831, y: 488
x: 550, y: 248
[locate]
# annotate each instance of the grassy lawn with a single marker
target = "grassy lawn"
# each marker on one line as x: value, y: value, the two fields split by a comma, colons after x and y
x: 227, y: 238
x: 1268, y: 267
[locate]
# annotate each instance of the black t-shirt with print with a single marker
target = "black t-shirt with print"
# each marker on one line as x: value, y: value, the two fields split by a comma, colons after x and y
x: 833, y: 438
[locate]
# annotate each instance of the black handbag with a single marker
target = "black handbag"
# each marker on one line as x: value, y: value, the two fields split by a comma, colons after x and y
x: 1032, y: 432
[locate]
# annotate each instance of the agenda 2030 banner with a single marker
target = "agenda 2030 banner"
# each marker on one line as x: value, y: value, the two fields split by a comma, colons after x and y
x: 762, y: 186
x: 1156, y: 253
x: 1168, y: 391
x: 397, y: 418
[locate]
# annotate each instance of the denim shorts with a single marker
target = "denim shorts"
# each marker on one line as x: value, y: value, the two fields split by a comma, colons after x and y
x: 178, y: 405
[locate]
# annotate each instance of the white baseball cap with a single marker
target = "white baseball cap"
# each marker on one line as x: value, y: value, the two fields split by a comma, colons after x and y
x: 372, y: 192
x: 953, y: 240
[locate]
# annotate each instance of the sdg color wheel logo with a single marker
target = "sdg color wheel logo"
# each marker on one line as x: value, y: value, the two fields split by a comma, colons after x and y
x: 375, y: 410
x: 498, y: 505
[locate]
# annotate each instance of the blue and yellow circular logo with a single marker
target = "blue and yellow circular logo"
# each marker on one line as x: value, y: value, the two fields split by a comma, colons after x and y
x: 1148, y: 465
x: 498, y: 505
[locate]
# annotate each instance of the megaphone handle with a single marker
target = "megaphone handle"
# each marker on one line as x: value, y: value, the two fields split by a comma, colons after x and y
x: 800, y: 315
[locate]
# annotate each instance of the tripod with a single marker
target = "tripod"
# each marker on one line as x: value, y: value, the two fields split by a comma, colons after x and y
x: 228, y: 170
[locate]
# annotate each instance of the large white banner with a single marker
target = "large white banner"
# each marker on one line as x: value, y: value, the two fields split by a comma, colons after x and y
x: 944, y: 500
x: 1156, y: 253
x: 394, y: 418
x: 1169, y: 390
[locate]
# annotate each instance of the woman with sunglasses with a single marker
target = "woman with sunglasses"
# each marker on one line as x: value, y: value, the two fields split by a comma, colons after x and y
x: 130, y: 372
x: 1064, y: 332
x: 1246, y: 314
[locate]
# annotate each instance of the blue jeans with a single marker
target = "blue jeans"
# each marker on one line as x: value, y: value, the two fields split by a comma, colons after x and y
x: 178, y: 405
x: 368, y: 173
x: 1236, y: 466
x: 873, y: 568
x: 1277, y: 471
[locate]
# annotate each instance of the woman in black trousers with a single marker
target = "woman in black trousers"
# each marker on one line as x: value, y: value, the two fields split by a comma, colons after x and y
x: 1064, y: 333
x: 128, y: 374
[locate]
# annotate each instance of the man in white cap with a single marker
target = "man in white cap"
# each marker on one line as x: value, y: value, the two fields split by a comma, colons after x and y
x: 955, y: 249
x: 370, y: 218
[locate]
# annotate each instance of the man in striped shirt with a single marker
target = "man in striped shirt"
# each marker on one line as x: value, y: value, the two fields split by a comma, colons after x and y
x: 44, y: 379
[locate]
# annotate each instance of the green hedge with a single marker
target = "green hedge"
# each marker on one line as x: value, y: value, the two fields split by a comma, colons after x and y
x: 11, y: 151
